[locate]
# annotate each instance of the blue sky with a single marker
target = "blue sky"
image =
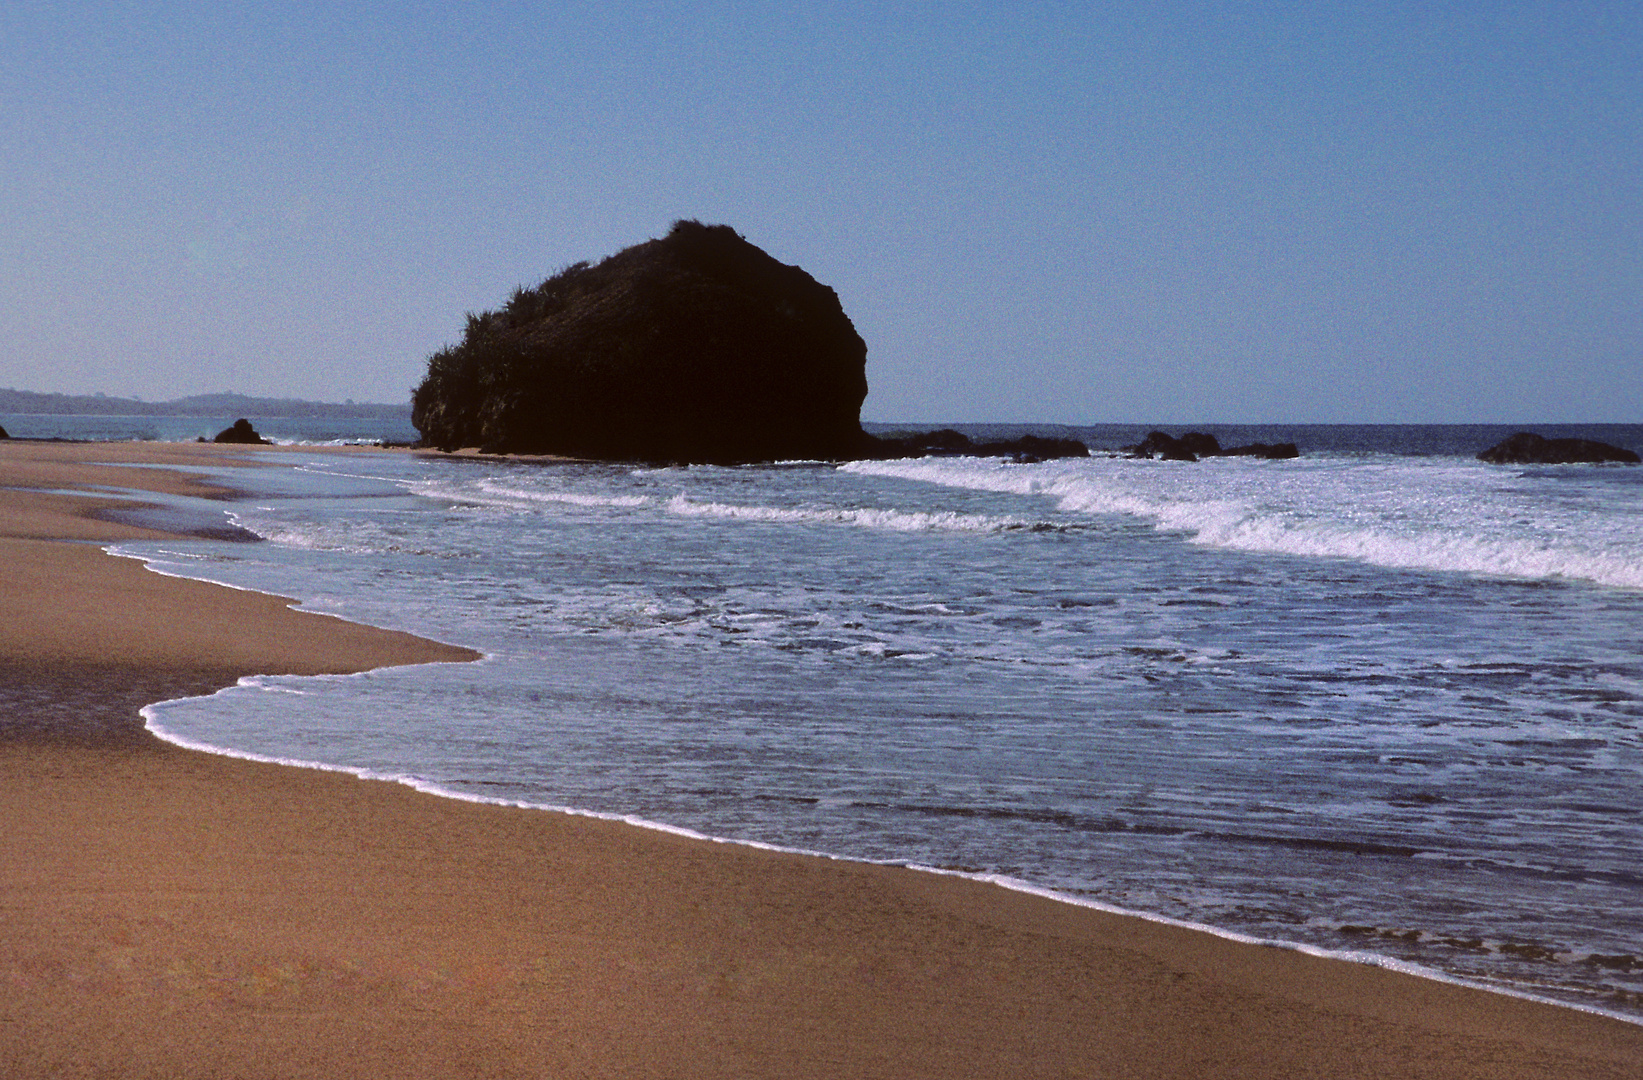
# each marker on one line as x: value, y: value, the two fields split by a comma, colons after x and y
x: 1121, y: 212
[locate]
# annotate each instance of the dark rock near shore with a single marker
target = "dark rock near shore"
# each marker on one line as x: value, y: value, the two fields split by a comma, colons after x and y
x: 1527, y: 448
x: 1030, y: 448
x: 241, y: 432
x: 698, y: 347
x: 949, y: 443
x: 4, y: 434
x: 1196, y: 444
x: 1163, y: 446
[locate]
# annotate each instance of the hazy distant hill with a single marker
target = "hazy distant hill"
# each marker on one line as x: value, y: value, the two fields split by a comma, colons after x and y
x: 26, y: 401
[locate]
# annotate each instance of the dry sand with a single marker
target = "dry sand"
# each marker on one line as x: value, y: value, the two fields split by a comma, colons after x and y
x: 165, y: 913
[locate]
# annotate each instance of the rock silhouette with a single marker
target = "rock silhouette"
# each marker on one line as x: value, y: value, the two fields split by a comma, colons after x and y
x: 698, y: 347
x: 946, y: 442
x: 241, y: 432
x: 1196, y: 444
x: 1528, y: 448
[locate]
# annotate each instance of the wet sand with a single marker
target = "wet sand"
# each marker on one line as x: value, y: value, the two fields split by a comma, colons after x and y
x: 169, y: 913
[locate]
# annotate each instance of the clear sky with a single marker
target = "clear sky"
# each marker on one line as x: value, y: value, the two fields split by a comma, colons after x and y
x: 1090, y: 212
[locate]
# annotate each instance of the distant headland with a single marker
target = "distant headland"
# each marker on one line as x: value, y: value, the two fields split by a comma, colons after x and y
x: 222, y: 404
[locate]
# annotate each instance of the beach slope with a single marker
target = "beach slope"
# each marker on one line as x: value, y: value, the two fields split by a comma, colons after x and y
x: 170, y: 913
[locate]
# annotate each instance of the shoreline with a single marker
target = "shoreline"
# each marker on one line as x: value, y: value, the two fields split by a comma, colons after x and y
x: 1002, y: 881
x: 653, y: 946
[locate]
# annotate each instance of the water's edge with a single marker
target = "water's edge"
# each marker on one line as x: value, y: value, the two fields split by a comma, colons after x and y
x: 424, y: 786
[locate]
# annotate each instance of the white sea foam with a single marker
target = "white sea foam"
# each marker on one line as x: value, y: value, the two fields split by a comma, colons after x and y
x: 359, y: 537
x: 324, y: 444
x: 862, y: 517
x: 174, y: 564
x: 1457, y: 518
x: 569, y: 498
x: 492, y: 492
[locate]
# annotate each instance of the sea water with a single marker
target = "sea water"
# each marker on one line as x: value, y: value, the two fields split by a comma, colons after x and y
x: 310, y: 430
x: 1382, y: 700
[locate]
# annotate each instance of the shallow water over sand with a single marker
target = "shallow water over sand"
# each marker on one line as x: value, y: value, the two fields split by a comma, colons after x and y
x: 1368, y: 700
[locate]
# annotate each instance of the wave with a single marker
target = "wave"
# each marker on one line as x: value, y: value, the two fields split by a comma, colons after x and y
x: 862, y: 517
x: 568, y: 498
x: 349, y: 538
x: 1450, y: 517
x: 1533, y: 559
x: 494, y: 493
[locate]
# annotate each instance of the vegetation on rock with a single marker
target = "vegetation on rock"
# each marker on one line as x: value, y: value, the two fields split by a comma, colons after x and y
x: 698, y: 347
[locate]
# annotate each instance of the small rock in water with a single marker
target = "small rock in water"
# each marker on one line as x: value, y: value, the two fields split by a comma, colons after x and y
x: 241, y: 432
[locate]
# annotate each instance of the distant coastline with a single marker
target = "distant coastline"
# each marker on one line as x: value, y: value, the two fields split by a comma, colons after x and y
x: 29, y: 402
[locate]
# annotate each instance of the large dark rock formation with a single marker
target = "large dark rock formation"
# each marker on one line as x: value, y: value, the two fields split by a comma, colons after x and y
x: 1527, y: 448
x: 4, y: 434
x: 1197, y: 444
x: 697, y: 347
x: 241, y: 432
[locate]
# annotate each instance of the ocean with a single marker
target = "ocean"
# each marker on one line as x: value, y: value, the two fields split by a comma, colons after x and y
x: 1383, y: 701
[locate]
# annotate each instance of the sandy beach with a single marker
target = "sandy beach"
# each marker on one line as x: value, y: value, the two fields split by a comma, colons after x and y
x: 170, y: 913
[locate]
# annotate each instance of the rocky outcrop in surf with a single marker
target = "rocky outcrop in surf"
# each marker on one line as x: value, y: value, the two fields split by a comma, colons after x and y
x: 1197, y: 444
x: 241, y: 432
x: 697, y: 347
x: 946, y: 442
x: 1528, y: 448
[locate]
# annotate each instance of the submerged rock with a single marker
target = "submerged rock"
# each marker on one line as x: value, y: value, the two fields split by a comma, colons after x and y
x: 241, y: 432
x: 1527, y: 448
x: 698, y: 347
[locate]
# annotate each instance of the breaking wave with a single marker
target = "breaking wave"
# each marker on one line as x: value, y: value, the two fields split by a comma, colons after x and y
x: 861, y: 517
x: 1456, y: 518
